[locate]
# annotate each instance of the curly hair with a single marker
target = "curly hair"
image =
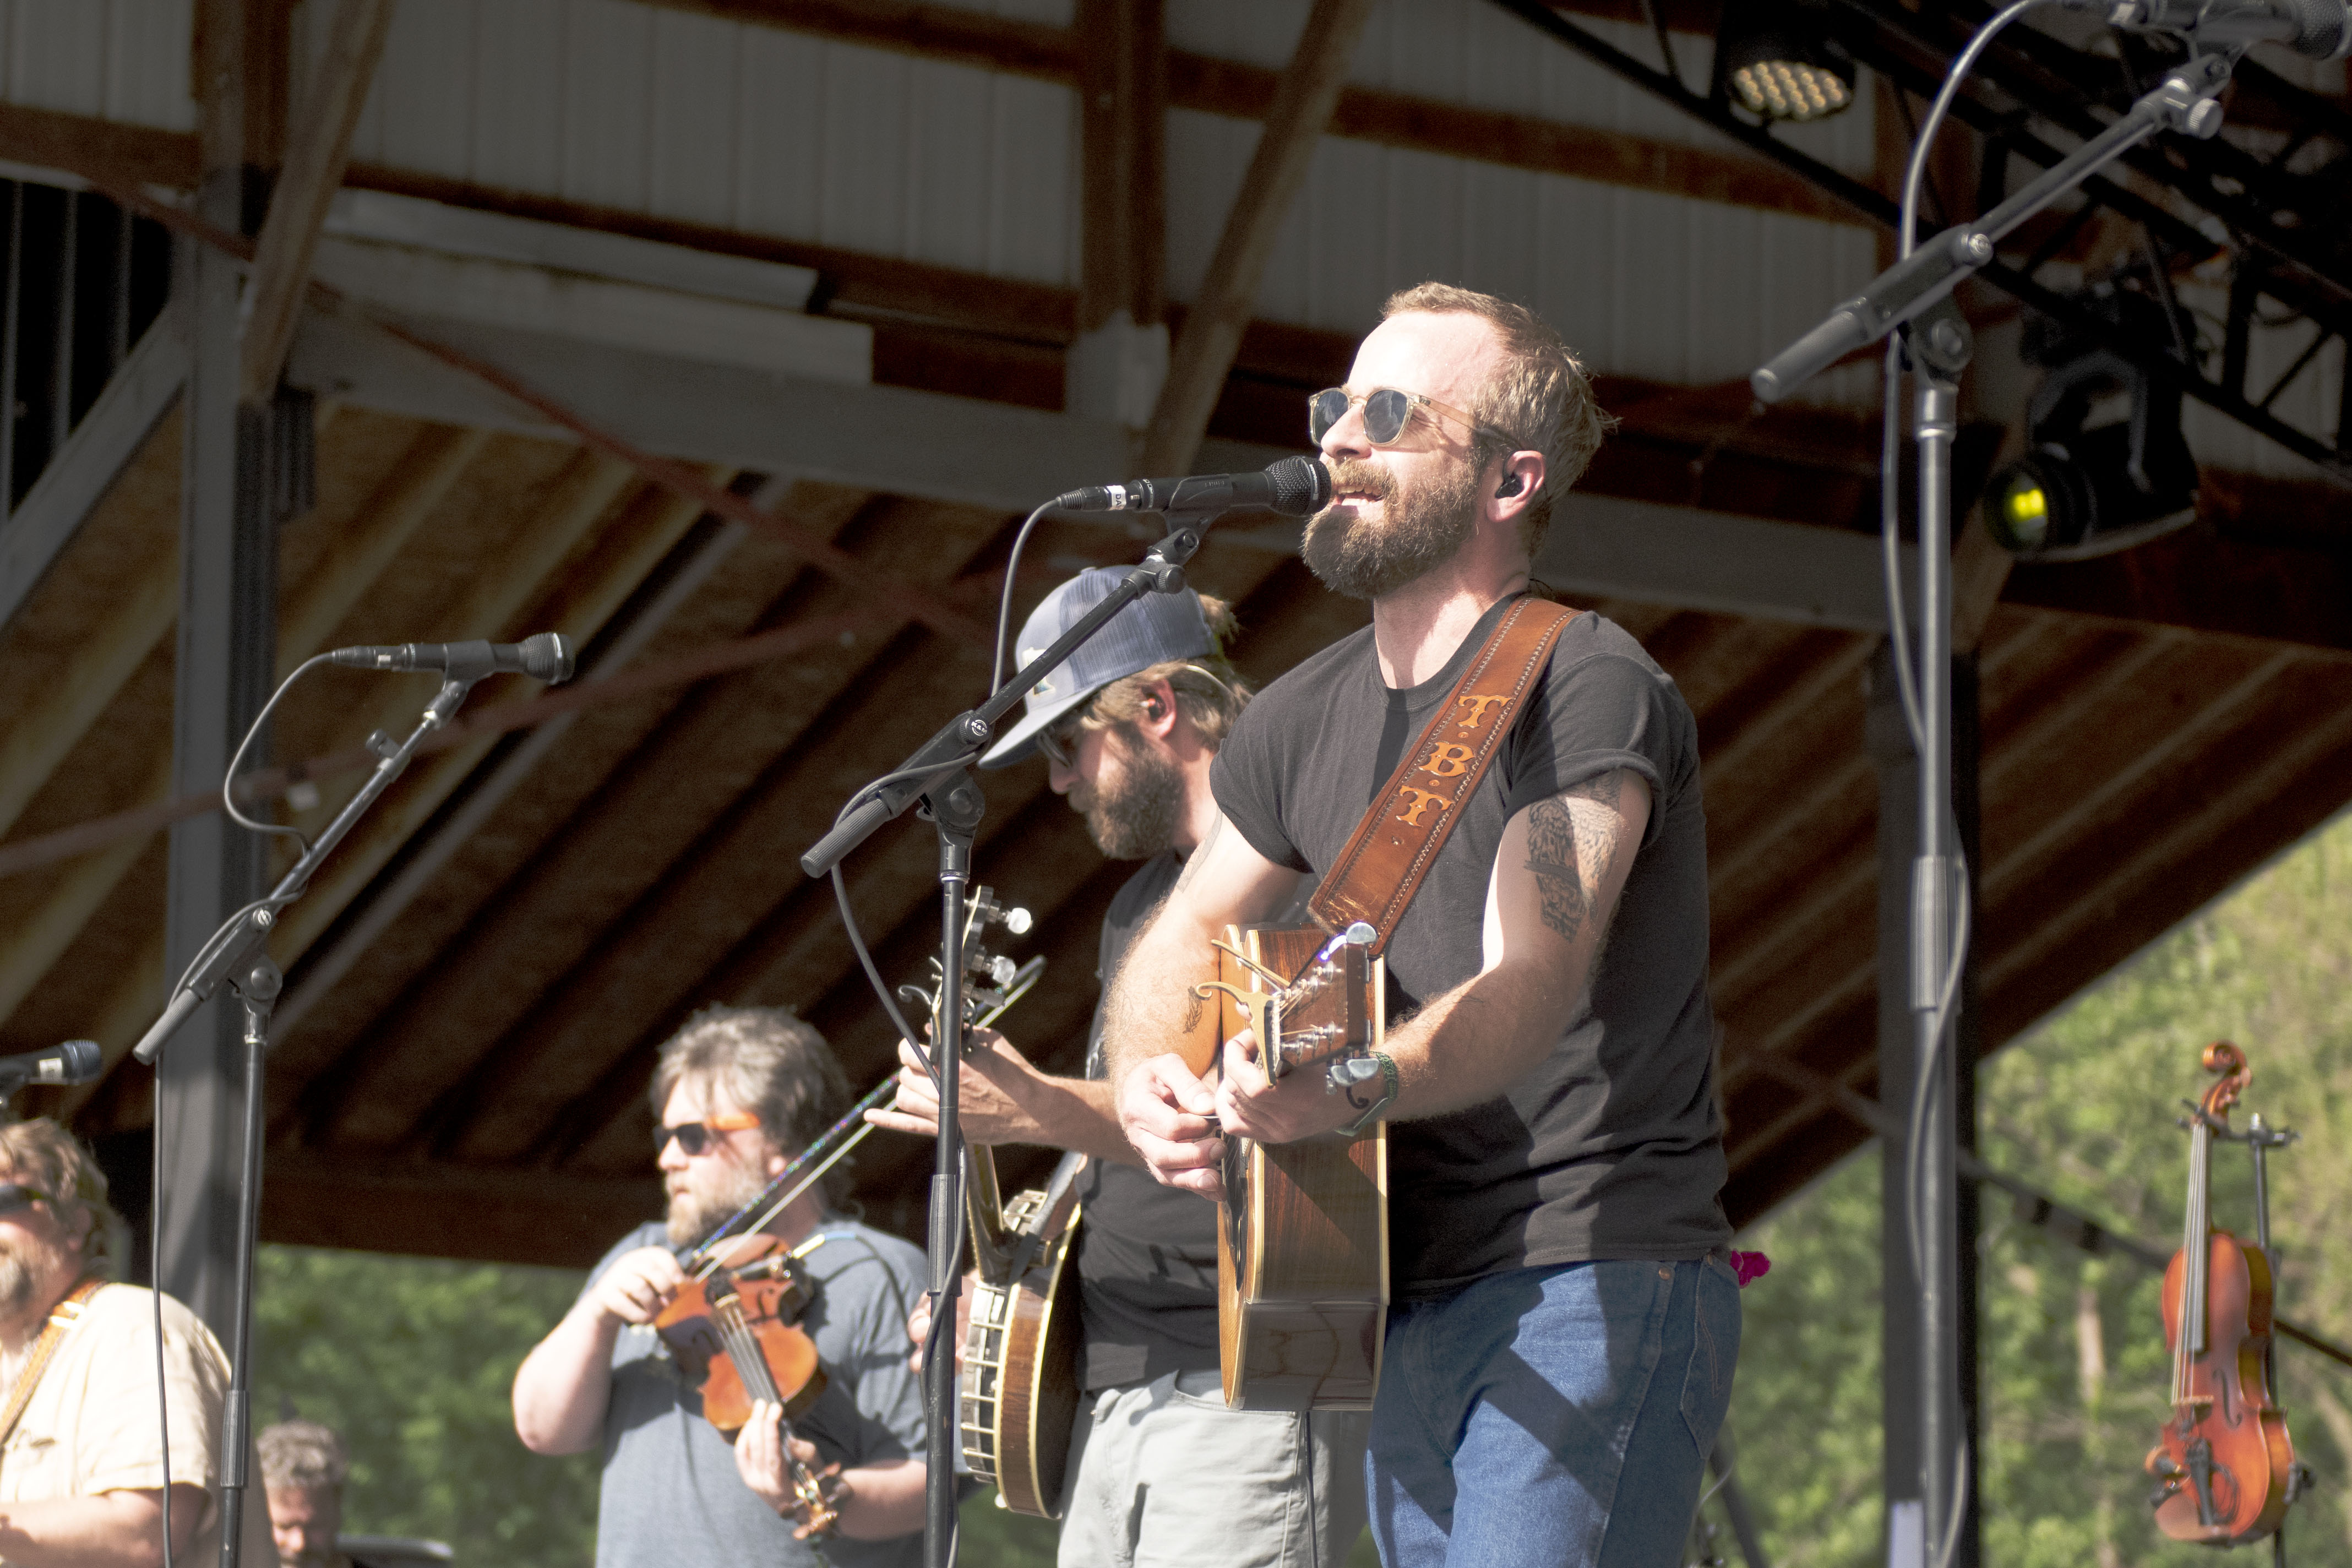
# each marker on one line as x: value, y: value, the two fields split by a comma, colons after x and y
x: 47, y: 1157
x: 770, y: 1062
x: 302, y: 1454
x: 1543, y: 398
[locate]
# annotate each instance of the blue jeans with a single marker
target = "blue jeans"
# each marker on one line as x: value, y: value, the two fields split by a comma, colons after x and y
x: 1552, y: 1415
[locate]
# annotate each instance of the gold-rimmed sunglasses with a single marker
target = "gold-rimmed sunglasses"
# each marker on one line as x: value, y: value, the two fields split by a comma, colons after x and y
x: 1387, y: 411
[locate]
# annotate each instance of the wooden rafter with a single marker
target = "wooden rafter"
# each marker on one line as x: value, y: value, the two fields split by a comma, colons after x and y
x: 1294, y: 123
x: 313, y: 173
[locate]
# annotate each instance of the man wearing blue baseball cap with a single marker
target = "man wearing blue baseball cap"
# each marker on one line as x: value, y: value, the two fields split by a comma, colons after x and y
x: 1159, y: 1465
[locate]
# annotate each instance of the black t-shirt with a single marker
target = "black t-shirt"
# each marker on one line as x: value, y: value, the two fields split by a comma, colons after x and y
x: 1612, y: 1147
x: 1147, y: 1254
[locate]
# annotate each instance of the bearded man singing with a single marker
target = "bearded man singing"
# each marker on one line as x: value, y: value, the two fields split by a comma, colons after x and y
x: 82, y: 1479
x: 1160, y: 1470
x: 736, y: 1094
x: 1565, y: 1324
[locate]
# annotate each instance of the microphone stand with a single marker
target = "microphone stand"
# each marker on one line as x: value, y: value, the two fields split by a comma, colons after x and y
x: 1917, y: 290
x: 233, y: 958
x: 938, y: 774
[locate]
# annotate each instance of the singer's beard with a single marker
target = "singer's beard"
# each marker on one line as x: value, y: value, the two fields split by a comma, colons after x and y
x: 1133, y: 805
x: 1419, y: 530
x: 697, y: 1207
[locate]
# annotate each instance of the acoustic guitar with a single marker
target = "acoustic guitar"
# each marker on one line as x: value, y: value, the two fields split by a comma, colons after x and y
x: 1302, y: 1229
x: 1021, y: 1348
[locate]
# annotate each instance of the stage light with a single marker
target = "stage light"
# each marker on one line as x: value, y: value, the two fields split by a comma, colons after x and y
x: 2085, y: 489
x: 1779, y: 59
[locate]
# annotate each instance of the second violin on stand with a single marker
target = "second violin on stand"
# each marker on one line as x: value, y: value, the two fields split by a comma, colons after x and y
x: 2226, y: 1468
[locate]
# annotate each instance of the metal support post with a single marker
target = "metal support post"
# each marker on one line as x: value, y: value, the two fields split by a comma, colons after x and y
x: 225, y: 654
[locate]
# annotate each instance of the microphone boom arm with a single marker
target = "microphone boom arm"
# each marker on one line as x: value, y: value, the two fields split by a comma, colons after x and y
x: 2182, y: 101
x: 233, y: 947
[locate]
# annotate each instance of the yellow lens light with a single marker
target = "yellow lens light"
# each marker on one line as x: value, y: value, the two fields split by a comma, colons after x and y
x: 2021, y: 514
x: 1790, y: 90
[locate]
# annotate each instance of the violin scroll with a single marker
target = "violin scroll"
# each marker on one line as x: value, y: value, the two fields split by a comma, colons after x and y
x: 2229, y: 1062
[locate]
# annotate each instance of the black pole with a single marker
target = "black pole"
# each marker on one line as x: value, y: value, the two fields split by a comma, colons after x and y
x: 956, y: 810
x: 257, y: 987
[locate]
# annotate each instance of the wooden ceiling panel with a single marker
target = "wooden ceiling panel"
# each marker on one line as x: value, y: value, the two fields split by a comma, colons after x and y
x: 704, y: 757
x: 76, y: 987
x: 728, y: 603
x: 678, y: 926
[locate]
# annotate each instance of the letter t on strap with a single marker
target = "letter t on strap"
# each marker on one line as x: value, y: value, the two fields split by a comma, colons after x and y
x: 1378, y: 873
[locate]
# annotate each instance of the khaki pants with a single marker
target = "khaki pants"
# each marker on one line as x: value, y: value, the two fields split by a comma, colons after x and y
x: 1163, y: 1472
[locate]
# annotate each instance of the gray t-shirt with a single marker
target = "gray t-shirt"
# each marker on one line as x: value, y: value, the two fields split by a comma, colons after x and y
x: 671, y: 1495
x: 1613, y: 1146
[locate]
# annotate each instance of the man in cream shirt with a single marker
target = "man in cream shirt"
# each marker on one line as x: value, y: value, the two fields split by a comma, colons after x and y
x: 82, y: 1475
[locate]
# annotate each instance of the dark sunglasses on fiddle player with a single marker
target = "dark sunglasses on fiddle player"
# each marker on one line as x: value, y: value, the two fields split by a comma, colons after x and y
x: 694, y: 1137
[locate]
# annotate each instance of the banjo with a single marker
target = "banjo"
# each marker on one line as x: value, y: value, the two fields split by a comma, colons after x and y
x: 1019, y: 1389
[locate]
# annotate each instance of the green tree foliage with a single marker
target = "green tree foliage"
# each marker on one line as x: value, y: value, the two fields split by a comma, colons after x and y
x: 2074, y: 1369
x: 412, y: 1361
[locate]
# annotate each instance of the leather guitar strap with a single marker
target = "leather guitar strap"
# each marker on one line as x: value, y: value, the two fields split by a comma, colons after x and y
x: 62, y: 1318
x: 1377, y: 875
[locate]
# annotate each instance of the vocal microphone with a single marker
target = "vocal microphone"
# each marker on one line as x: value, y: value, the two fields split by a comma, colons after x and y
x: 76, y: 1061
x: 1295, y: 487
x: 2318, y: 29
x: 547, y: 656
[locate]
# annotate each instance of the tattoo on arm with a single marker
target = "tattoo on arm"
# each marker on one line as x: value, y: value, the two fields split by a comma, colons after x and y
x: 1568, y: 850
x: 1552, y: 857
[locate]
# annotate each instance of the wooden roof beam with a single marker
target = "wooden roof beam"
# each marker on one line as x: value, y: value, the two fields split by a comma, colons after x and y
x: 1295, y: 119
x: 128, y: 413
x: 298, y: 207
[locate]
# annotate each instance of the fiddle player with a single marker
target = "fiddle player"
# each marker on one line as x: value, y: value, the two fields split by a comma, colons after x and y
x: 82, y: 1477
x: 1159, y: 1464
x: 736, y: 1094
x: 1564, y: 1324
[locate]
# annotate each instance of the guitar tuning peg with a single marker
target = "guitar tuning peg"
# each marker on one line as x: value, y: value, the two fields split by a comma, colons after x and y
x: 1018, y: 921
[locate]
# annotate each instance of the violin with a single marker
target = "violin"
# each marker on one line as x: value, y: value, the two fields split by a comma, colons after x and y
x: 734, y: 1330
x: 2225, y: 1469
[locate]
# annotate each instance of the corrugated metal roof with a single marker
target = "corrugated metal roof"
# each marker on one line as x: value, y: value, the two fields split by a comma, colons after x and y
x: 117, y: 59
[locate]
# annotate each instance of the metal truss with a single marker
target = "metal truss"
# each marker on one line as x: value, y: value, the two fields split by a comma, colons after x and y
x: 2272, y: 202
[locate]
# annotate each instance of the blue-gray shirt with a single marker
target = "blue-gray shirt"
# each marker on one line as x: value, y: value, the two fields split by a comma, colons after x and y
x: 670, y: 1493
